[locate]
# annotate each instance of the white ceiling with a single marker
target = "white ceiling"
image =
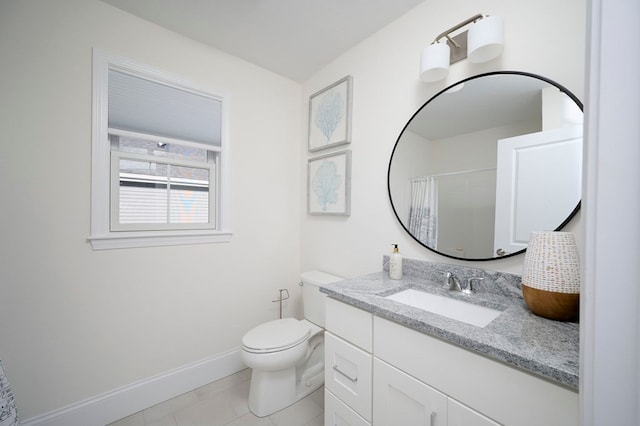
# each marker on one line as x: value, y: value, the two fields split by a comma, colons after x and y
x: 482, y: 103
x: 293, y: 38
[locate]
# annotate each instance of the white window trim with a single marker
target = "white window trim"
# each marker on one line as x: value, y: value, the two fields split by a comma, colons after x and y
x: 115, y: 195
x: 212, y: 166
x: 101, y: 236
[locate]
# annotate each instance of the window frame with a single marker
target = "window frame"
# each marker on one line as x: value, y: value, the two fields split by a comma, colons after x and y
x: 101, y: 235
x: 211, y: 165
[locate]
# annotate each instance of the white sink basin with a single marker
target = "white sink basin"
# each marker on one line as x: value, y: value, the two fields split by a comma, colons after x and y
x: 455, y: 309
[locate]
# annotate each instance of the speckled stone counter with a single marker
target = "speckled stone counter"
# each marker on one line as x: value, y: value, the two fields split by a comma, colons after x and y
x: 517, y: 337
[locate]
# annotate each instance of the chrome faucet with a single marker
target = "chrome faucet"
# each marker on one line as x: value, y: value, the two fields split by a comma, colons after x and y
x: 469, y: 289
x: 452, y: 282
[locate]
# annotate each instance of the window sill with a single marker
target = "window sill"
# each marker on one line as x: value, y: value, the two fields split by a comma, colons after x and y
x: 119, y: 240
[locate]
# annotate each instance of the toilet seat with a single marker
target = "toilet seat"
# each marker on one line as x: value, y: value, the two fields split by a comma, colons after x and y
x: 275, y: 336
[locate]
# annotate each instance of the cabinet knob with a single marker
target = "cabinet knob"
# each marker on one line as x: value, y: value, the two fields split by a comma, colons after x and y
x: 432, y: 419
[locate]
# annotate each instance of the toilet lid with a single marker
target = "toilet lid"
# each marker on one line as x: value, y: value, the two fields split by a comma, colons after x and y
x: 277, y: 334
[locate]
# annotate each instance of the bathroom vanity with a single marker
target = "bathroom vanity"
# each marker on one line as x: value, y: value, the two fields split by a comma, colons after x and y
x: 413, y: 352
x: 389, y: 363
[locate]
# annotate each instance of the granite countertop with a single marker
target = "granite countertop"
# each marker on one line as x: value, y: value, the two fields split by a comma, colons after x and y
x: 517, y: 337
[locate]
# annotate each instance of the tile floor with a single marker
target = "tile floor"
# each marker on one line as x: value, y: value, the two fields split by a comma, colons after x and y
x: 224, y: 402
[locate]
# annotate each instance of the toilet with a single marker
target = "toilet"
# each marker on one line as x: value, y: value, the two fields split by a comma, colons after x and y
x: 287, y: 355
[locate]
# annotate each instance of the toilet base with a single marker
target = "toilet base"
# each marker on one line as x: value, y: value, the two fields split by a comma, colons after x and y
x: 272, y: 391
x: 274, y: 387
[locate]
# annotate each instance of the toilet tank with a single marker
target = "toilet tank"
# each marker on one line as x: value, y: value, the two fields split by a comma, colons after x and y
x: 312, y: 298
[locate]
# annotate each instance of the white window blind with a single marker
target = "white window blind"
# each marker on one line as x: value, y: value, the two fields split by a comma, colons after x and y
x: 141, y: 105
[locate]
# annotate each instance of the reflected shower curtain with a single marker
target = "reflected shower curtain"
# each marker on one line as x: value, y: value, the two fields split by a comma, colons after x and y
x: 8, y: 410
x: 423, y: 211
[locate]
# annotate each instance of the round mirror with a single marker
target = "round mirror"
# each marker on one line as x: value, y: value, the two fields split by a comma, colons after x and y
x: 485, y: 162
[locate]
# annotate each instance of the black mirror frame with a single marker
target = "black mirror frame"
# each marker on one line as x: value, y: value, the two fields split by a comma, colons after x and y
x: 526, y: 74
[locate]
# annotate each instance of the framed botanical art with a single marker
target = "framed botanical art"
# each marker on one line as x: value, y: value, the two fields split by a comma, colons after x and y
x: 330, y: 115
x: 329, y: 184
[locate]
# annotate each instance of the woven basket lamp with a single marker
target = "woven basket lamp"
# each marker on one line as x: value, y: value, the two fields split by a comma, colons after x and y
x: 551, y: 275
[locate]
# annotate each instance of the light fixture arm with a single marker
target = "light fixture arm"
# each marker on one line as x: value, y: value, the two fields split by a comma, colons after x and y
x: 446, y: 33
x: 452, y: 41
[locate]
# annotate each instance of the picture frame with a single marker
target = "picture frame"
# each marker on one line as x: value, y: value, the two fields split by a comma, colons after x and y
x: 329, y: 184
x: 330, y: 115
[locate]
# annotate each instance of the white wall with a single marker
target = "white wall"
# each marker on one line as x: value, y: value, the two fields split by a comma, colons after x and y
x: 408, y: 163
x: 387, y: 92
x: 75, y: 323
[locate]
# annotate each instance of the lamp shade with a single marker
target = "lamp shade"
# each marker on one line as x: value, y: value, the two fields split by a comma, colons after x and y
x: 485, y: 39
x: 551, y: 275
x: 434, y: 62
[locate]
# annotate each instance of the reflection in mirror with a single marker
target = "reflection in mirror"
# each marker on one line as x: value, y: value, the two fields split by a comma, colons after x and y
x: 485, y: 162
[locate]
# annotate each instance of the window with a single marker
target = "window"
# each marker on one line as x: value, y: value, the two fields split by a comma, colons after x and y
x: 156, y: 184
x: 159, y: 159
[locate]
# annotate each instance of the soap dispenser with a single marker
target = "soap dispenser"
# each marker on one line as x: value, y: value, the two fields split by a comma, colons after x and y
x: 395, y: 264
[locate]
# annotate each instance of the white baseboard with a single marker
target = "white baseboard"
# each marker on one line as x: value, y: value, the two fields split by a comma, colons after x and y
x: 121, y: 402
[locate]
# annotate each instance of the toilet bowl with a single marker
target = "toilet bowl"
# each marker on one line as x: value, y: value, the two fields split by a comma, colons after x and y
x: 287, y: 355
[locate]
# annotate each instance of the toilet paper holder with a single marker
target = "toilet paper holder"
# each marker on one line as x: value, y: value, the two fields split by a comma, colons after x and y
x: 284, y: 295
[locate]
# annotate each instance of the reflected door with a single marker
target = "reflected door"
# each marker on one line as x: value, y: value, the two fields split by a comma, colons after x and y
x: 535, y: 172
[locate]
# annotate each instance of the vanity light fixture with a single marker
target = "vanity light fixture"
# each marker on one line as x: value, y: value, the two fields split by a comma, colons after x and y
x: 482, y: 42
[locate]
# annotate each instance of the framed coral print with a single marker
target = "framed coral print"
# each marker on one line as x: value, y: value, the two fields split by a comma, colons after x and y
x: 329, y: 184
x: 330, y: 116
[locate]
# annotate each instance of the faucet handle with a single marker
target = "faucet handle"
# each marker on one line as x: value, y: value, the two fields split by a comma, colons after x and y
x: 447, y: 276
x: 469, y: 289
x: 452, y: 282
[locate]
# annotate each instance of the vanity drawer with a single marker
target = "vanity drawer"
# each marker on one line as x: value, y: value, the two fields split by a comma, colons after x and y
x: 350, y: 323
x: 336, y: 413
x: 347, y: 374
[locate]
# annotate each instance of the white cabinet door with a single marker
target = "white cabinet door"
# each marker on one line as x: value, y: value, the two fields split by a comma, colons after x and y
x: 336, y: 413
x: 347, y: 374
x: 530, y: 197
x: 461, y: 415
x: 399, y: 399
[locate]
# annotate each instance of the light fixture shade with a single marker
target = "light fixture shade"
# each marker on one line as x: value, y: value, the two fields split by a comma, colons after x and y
x: 434, y: 63
x: 485, y: 39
